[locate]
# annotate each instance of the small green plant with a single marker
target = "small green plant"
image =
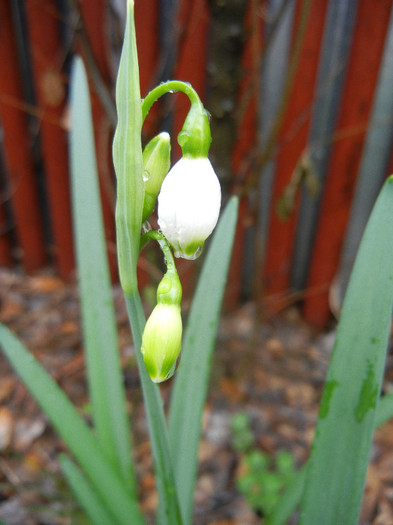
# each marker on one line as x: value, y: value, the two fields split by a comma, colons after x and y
x: 262, y: 479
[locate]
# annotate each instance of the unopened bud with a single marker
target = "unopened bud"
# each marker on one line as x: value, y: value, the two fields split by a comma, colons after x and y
x: 161, y: 339
x: 156, y: 163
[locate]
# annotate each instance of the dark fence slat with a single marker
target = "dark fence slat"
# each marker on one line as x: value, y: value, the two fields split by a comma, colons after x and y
x: 19, y: 158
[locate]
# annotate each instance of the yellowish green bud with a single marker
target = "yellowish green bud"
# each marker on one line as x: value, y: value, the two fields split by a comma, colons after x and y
x: 161, y: 341
x: 156, y: 164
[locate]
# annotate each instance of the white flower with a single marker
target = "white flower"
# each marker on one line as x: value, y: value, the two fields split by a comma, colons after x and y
x: 188, y: 205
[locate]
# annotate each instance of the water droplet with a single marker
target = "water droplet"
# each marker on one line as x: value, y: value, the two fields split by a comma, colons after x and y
x: 145, y: 176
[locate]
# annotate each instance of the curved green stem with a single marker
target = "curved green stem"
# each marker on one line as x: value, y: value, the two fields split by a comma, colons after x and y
x: 171, y: 86
x: 164, y: 245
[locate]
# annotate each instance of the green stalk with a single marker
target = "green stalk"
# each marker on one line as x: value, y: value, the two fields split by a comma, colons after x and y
x: 169, y: 512
x: 127, y: 157
x: 192, y: 377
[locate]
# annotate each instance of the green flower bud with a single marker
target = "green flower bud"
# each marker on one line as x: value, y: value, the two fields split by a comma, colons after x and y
x: 195, y: 137
x: 161, y: 341
x: 156, y: 164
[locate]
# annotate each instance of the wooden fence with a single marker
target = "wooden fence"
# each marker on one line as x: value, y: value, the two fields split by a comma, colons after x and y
x: 301, y: 97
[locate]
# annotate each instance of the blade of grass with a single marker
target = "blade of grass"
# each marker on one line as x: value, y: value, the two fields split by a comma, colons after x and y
x: 98, y: 316
x: 85, y: 494
x: 191, y: 379
x: 339, y: 458
x: 79, y: 438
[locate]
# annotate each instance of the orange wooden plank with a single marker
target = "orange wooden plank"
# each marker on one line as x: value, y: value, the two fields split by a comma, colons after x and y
x: 369, y: 36
x: 29, y: 227
x: 244, y: 151
x: 292, y: 141
x: 47, y: 61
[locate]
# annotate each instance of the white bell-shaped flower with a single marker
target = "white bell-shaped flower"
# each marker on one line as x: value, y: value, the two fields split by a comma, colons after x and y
x: 189, y: 205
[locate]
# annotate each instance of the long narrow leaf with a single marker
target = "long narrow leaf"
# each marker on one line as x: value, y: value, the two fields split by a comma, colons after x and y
x: 85, y: 494
x: 98, y: 317
x: 127, y: 158
x: 191, y: 380
x: 294, y: 492
x: 339, y: 458
x: 79, y: 438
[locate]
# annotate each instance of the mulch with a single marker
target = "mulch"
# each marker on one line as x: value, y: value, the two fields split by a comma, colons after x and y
x: 273, y: 370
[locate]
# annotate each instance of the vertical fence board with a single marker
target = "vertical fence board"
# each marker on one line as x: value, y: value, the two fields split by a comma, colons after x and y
x: 374, y: 162
x: 47, y: 61
x: 243, y: 157
x: 291, y: 148
x: 274, y: 75
x: 337, y: 38
x: 370, y: 31
x: 22, y: 185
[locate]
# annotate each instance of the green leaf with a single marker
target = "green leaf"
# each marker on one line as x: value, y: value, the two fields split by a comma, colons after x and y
x: 339, y: 458
x: 127, y: 158
x: 191, y: 379
x: 294, y: 492
x: 79, y: 438
x: 98, y: 316
x: 85, y: 494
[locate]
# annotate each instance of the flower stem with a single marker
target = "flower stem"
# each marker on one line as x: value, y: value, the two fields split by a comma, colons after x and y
x: 170, y: 86
x: 164, y: 245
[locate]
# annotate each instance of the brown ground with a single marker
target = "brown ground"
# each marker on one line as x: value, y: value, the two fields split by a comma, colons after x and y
x: 275, y: 374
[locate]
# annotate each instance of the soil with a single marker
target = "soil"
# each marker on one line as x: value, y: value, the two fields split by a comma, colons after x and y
x: 272, y: 370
